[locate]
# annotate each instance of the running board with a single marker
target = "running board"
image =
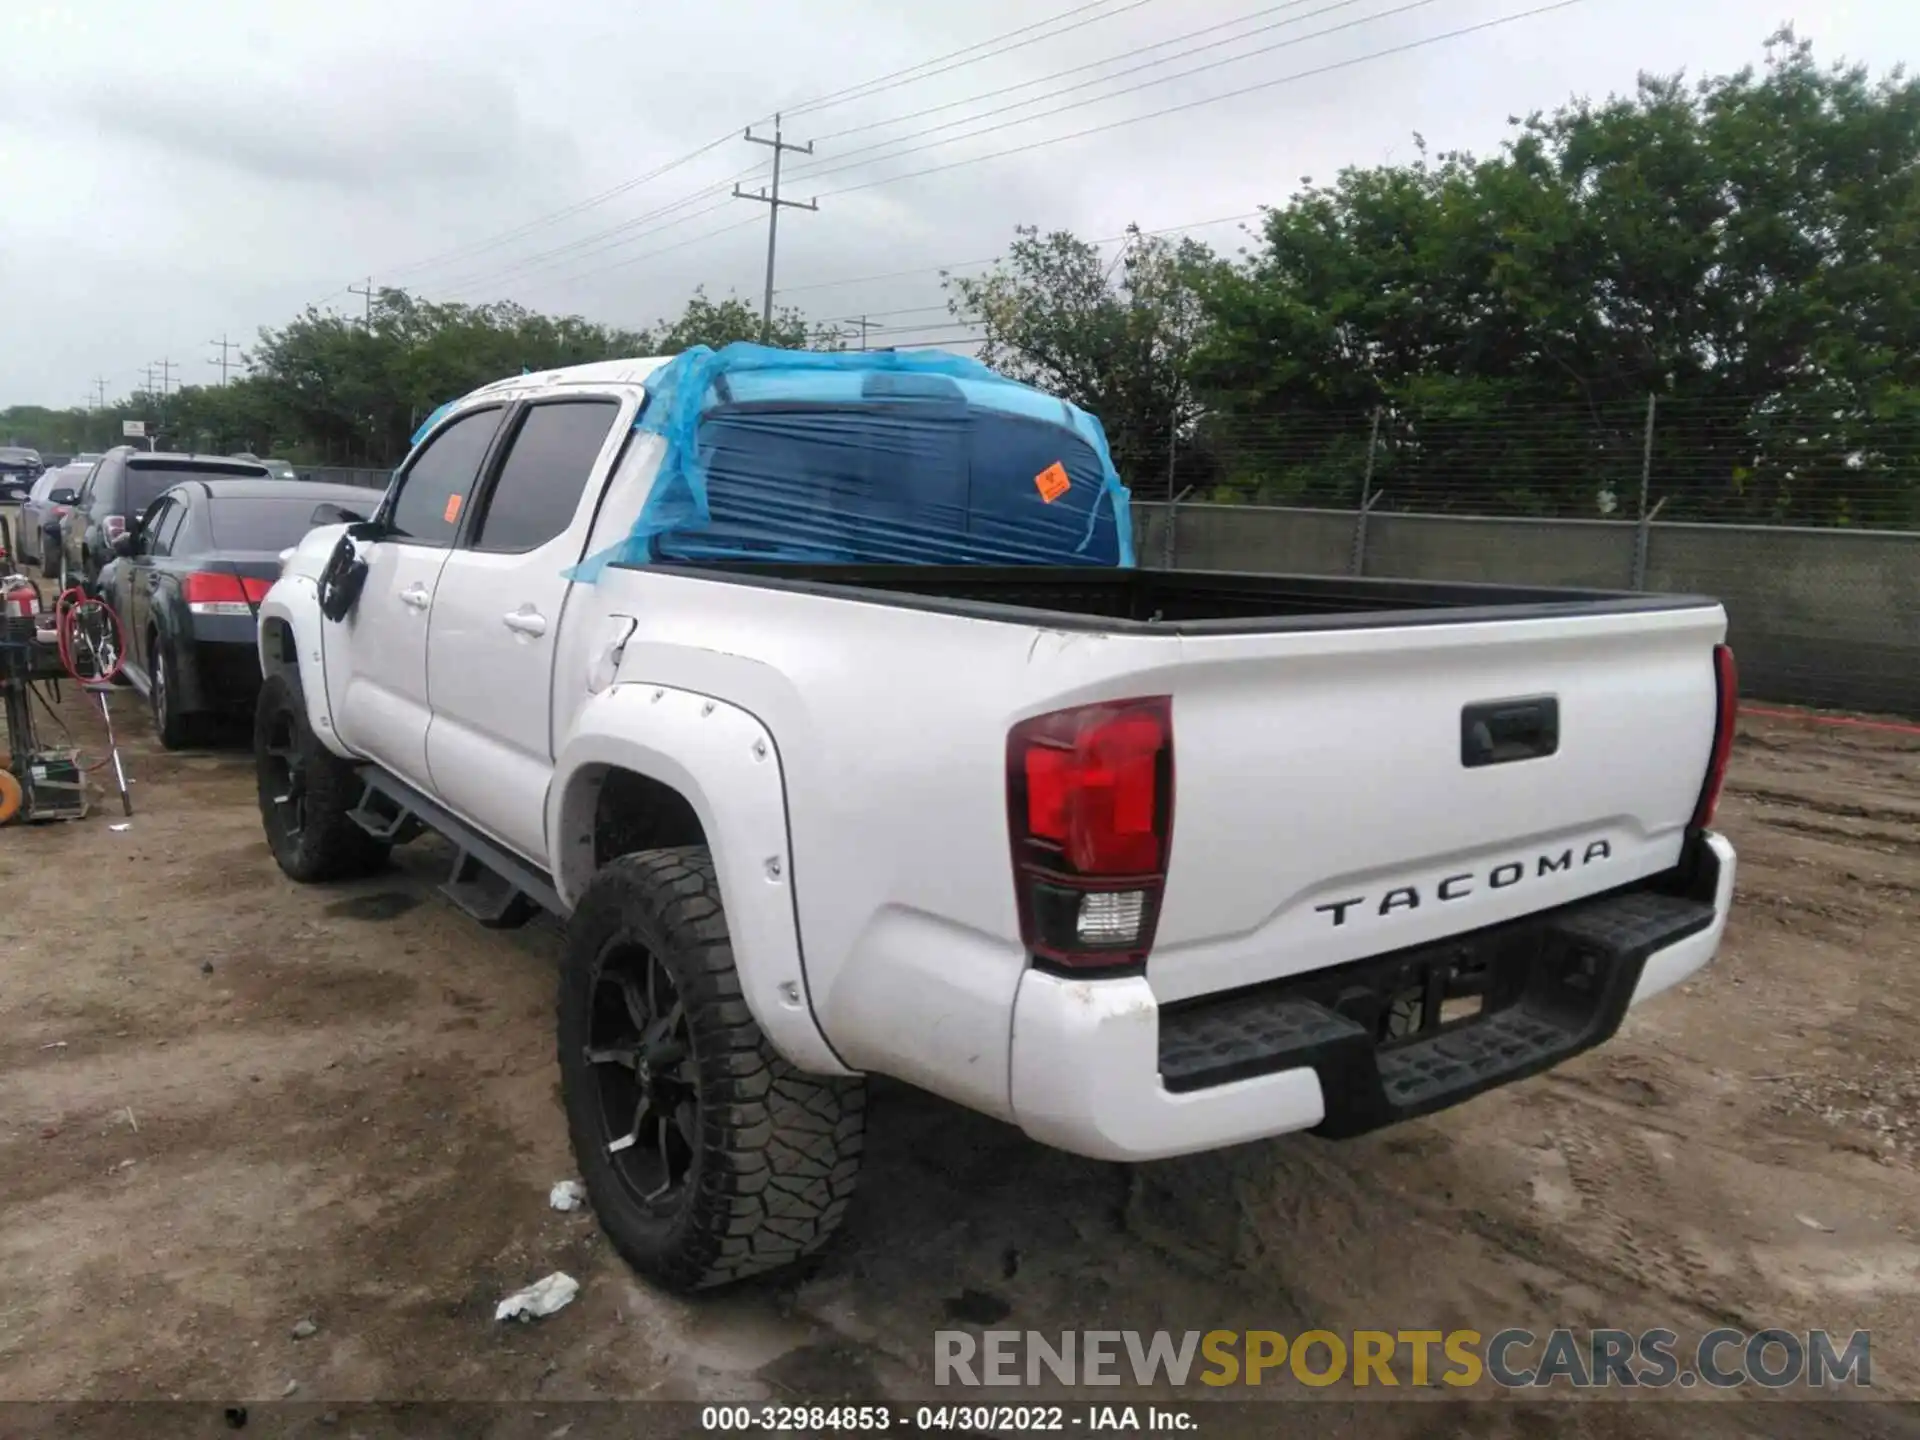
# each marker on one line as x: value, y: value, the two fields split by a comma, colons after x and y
x: 491, y: 884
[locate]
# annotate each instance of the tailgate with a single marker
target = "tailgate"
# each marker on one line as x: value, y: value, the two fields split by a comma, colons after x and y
x: 1335, y: 797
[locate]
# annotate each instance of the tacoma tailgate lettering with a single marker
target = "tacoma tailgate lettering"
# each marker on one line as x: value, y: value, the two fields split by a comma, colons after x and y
x: 1459, y: 887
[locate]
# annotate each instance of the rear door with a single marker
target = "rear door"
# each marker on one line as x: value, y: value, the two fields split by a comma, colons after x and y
x: 1342, y: 793
x: 376, y: 658
x: 497, y: 616
x: 137, y: 577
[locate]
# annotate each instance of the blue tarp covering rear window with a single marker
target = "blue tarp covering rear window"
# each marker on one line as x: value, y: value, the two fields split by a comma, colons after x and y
x: 895, y: 482
x: 871, y: 457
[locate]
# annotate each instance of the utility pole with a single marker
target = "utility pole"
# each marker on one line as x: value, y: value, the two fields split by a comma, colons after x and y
x: 166, y: 369
x: 865, y: 325
x: 100, y: 390
x: 150, y: 372
x: 368, y: 293
x: 773, y: 202
x: 225, y: 345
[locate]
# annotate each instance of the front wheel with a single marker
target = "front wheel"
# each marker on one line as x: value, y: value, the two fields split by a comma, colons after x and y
x: 307, y: 793
x: 708, y: 1157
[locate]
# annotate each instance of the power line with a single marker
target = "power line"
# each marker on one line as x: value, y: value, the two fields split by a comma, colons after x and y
x: 1318, y: 70
x: 650, y: 254
x: 566, y: 212
x: 1095, y: 65
x: 638, y: 226
x: 818, y: 172
x: 907, y: 76
x: 994, y: 259
x: 471, y: 249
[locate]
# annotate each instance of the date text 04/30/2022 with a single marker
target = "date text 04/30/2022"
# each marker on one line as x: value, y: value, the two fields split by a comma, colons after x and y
x: 813, y: 1419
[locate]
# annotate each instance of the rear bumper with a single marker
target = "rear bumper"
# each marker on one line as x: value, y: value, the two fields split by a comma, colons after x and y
x: 1099, y: 1069
x: 223, y: 675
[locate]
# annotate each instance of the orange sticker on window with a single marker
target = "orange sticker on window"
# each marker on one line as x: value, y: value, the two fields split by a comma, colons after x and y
x: 1052, y: 482
x: 453, y: 508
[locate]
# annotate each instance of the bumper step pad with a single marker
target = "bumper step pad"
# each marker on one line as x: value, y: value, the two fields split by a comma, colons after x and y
x: 1549, y: 987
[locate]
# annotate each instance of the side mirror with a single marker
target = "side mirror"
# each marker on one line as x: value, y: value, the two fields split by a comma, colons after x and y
x: 62, y: 496
x: 328, y: 513
x: 126, y: 543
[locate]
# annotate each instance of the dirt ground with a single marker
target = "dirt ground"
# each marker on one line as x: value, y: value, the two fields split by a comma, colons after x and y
x: 229, y: 1104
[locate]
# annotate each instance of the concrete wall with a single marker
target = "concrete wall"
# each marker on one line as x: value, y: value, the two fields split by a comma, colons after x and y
x: 1827, y: 618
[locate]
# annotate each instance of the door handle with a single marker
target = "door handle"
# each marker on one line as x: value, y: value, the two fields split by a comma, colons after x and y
x: 415, y: 595
x: 525, y: 621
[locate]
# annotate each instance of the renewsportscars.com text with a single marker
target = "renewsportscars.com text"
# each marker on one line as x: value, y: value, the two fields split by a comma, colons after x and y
x: 1511, y: 1358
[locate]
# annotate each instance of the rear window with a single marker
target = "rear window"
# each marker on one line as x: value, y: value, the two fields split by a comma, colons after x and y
x: 249, y: 524
x: 897, y: 482
x: 146, y: 483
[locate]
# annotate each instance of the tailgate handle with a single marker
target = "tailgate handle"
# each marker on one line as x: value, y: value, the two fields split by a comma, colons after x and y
x: 1498, y: 732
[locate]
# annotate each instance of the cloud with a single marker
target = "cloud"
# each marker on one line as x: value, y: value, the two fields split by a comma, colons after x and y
x: 359, y: 129
x: 204, y: 167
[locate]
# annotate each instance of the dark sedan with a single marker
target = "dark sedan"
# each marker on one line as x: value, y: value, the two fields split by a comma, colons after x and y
x: 188, y: 579
x: 121, y: 487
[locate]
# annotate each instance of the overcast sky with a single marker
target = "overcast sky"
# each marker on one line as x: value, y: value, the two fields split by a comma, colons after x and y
x: 177, y: 172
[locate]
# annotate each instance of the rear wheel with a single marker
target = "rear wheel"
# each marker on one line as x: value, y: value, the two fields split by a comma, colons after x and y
x: 306, y: 793
x: 174, y: 729
x: 708, y: 1157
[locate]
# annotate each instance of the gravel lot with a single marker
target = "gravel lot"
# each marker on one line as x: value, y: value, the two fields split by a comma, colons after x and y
x: 228, y: 1105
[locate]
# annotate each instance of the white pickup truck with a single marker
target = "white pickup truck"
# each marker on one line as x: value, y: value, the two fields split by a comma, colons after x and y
x: 1143, y: 862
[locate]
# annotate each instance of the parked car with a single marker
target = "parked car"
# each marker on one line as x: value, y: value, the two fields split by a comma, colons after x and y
x: 186, y: 580
x: 19, y: 468
x: 280, y: 469
x: 46, y: 505
x: 808, y: 816
x: 121, y: 487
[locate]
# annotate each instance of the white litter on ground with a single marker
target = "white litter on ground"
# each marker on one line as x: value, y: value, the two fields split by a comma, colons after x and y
x: 567, y: 1195
x: 541, y: 1298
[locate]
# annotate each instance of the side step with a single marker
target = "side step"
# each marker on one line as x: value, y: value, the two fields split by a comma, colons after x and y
x: 490, y: 883
x: 383, y: 817
x: 486, y: 894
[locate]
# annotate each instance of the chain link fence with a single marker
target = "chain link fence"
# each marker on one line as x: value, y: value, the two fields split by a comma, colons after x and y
x: 1802, y: 515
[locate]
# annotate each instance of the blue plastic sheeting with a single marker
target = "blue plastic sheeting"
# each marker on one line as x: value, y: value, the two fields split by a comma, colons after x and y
x: 431, y: 421
x: 869, y: 457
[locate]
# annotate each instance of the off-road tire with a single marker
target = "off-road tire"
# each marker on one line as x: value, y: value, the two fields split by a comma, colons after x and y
x: 327, y: 844
x: 778, y: 1150
x: 174, y: 729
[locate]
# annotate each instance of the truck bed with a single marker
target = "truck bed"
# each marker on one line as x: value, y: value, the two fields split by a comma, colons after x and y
x: 1197, y: 602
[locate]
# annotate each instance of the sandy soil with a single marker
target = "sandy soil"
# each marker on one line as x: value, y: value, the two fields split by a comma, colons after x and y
x: 228, y: 1105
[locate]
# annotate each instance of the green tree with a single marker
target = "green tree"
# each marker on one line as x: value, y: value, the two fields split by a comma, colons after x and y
x: 1746, y: 248
x: 1113, y: 336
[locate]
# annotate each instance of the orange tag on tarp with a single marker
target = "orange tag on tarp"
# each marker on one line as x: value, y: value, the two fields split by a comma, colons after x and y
x: 1052, y: 482
x: 453, y: 509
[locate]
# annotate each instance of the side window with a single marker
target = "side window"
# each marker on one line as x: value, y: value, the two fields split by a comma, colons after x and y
x: 168, y: 530
x: 152, y: 523
x: 546, y: 471
x: 432, y: 492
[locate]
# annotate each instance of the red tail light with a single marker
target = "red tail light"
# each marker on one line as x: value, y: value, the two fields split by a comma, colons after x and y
x: 1090, y: 807
x: 1726, y: 678
x: 213, y: 593
x: 114, y: 525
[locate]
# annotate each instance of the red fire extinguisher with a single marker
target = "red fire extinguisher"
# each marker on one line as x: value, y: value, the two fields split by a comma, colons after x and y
x: 21, y: 601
